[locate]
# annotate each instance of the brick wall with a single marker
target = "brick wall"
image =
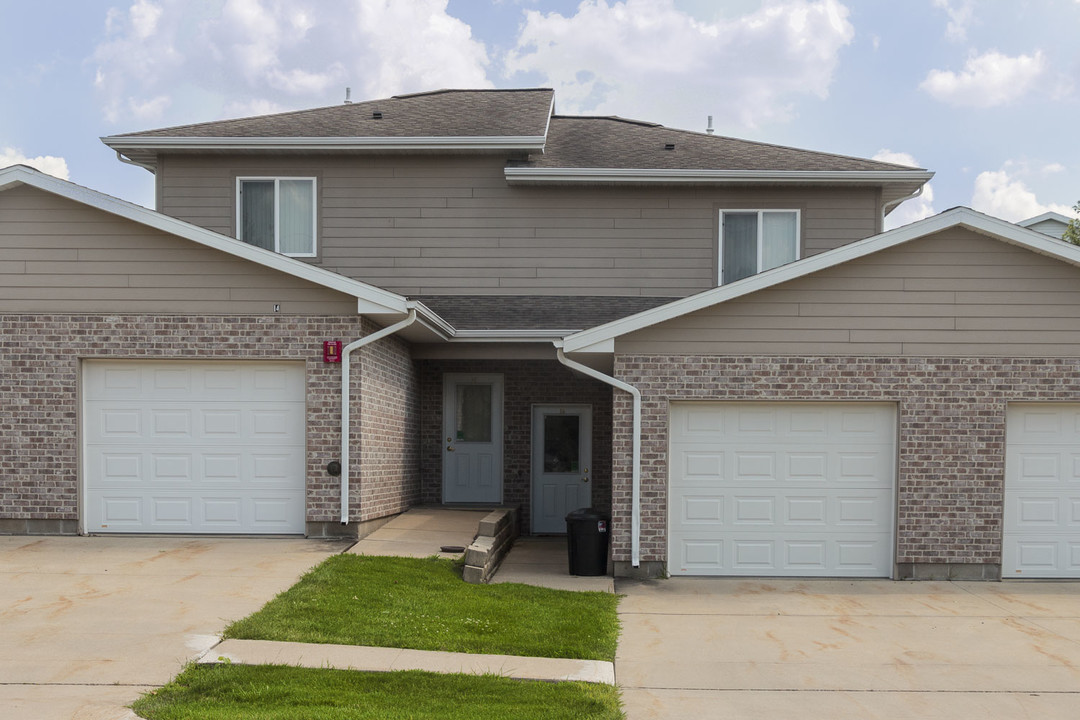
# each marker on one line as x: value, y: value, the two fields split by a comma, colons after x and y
x: 389, y: 429
x: 951, y: 435
x: 39, y: 376
x: 526, y: 382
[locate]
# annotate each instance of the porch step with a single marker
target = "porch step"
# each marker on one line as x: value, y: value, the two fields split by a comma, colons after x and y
x: 494, y: 538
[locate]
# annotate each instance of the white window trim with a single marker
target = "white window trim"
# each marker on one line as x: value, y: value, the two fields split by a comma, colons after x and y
x: 277, y: 225
x: 760, y: 230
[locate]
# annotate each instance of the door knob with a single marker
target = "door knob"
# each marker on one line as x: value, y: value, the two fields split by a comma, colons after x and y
x: 585, y: 479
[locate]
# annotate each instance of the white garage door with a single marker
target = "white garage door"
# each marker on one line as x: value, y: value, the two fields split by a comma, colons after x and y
x: 181, y: 447
x: 1042, y: 491
x: 782, y: 489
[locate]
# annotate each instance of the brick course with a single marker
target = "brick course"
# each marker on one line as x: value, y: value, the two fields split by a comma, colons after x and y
x: 39, y: 367
x: 951, y: 420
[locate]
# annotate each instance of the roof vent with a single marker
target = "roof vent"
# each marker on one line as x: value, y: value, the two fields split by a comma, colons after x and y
x: 669, y: 146
x: 376, y: 115
x: 348, y: 95
x: 710, y: 128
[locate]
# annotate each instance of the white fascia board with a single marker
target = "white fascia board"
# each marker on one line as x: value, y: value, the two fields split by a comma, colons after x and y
x: 515, y: 336
x: 375, y: 298
x: 632, y: 175
x: 601, y: 338
x: 462, y: 142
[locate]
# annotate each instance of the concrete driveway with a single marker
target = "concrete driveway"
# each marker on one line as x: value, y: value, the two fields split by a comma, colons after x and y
x: 725, y: 648
x: 89, y: 624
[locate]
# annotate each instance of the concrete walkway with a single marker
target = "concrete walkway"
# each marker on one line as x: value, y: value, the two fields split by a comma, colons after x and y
x: 542, y: 561
x: 379, y: 659
x: 422, y: 532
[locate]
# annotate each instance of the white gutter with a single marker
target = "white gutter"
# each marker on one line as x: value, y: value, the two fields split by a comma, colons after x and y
x: 635, y: 482
x: 686, y: 175
x: 346, y: 401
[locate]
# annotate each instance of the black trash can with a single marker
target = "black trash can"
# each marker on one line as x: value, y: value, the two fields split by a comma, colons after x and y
x: 587, y: 541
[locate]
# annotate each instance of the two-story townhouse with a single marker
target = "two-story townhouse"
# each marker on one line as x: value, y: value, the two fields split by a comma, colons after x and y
x: 711, y: 338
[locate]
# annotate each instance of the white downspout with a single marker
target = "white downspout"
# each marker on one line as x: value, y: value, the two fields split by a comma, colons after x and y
x: 346, y: 400
x: 635, y: 483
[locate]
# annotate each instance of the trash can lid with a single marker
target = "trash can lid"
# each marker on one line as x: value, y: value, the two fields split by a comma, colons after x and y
x: 586, y: 514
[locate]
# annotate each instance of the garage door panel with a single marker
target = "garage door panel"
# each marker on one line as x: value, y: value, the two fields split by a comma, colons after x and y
x: 1041, y: 536
x: 793, y: 555
x: 813, y: 498
x: 196, y: 447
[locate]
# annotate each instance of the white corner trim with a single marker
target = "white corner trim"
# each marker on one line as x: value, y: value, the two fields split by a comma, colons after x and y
x: 682, y: 175
x: 601, y: 338
x: 449, y: 142
x: 19, y: 174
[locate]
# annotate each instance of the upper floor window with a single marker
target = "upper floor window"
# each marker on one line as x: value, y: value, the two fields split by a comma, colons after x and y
x: 277, y: 214
x: 752, y: 241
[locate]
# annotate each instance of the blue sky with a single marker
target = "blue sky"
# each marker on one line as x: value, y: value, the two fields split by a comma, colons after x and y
x: 984, y: 93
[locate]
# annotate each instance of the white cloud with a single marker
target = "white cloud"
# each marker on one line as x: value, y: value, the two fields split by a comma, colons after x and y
x: 912, y: 210
x: 960, y: 16
x: 987, y: 80
x: 185, y: 62
x: 55, y: 166
x: 1002, y: 195
x: 649, y: 59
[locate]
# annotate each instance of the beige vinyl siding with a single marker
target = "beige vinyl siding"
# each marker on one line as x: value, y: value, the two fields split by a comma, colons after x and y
x: 57, y: 255
x: 954, y: 293
x: 451, y: 224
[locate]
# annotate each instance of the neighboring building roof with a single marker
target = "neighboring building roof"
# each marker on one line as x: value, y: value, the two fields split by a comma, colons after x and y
x: 370, y: 299
x: 535, y: 312
x: 1049, y: 223
x: 1058, y: 217
x: 443, y: 119
x: 602, y: 339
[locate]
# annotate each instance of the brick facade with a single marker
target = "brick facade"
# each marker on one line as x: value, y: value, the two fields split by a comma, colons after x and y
x: 39, y: 367
x: 951, y: 422
x: 526, y: 383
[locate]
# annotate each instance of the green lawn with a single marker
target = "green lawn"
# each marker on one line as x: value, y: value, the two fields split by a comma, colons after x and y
x: 271, y: 692
x: 424, y: 605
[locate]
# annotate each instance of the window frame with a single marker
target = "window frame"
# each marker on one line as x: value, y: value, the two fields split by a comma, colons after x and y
x: 241, y: 179
x: 760, y: 230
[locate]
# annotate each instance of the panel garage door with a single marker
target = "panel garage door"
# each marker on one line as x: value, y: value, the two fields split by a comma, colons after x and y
x: 182, y: 447
x: 1042, y: 491
x: 782, y: 489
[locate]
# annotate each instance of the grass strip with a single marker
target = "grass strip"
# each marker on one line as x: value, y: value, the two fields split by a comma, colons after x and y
x: 274, y: 692
x: 424, y: 605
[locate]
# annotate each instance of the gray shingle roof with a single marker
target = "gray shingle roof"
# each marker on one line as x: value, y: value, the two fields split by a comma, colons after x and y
x: 535, y: 312
x: 611, y: 142
x: 442, y: 113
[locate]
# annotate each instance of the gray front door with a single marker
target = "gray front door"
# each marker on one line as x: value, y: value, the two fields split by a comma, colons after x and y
x: 562, y: 459
x: 472, y: 438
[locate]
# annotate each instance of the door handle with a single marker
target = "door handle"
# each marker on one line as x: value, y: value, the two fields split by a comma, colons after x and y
x: 449, y: 448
